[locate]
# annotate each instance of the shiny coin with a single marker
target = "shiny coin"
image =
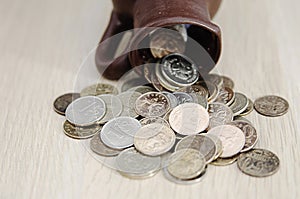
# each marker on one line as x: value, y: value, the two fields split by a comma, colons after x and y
x: 271, y: 106
x: 86, y: 111
x: 152, y: 104
x: 215, y: 79
x: 154, y: 139
x: 227, y: 82
x: 186, y: 164
x: 118, y: 133
x: 163, y: 81
x: 142, y: 89
x: 80, y: 132
x: 250, y: 134
x: 189, y: 119
x: 240, y: 104
x: 225, y: 161
x: 128, y: 99
x: 249, y: 109
x: 151, y: 120
x: 62, y: 102
x: 258, y: 163
x: 183, y: 97
x: 98, y: 89
x: 133, y: 164
x: 233, y: 139
x: 218, y: 143
x: 204, y: 144
x: 100, y: 148
x: 225, y: 96
x: 219, y: 114
x: 114, y: 107
x: 172, y: 98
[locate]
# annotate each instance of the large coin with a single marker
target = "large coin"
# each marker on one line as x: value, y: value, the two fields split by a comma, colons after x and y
x: 258, y: 163
x: 204, y: 144
x: 80, y: 132
x: 186, y: 164
x: 233, y: 139
x: 62, y: 102
x: 219, y: 114
x: 114, y: 107
x: 100, y: 148
x: 128, y: 100
x: 85, y: 111
x: 240, y: 104
x: 183, y: 97
x: 154, y: 139
x: 189, y: 119
x: 98, y: 89
x: 152, y: 104
x: 118, y: 133
x: 271, y: 106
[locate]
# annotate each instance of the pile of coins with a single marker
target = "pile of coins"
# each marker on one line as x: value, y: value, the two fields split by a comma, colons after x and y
x: 179, y: 127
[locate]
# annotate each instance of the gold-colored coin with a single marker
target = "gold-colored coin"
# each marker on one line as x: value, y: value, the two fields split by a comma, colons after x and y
x: 80, y: 132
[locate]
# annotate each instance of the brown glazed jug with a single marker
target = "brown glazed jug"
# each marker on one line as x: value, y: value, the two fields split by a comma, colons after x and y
x: 140, y: 14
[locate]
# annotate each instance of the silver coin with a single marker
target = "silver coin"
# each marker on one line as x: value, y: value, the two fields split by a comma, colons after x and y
x: 80, y: 132
x: 271, y: 106
x: 151, y: 120
x: 179, y: 70
x: 219, y: 114
x: 62, y: 102
x: 211, y: 88
x: 132, y: 163
x: 227, y: 82
x: 225, y: 161
x: 233, y: 139
x: 216, y: 79
x: 114, y: 107
x: 250, y: 134
x: 183, y: 97
x: 156, y: 84
x: 173, y: 100
x: 154, y: 139
x: 98, y: 89
x: 258, y: 163
x: 218, y: 143
x: 118, y: 133
x: 240, y: 104
x: 142, y: 89
x: 85, y: 111
x: 100, y: 148
x: 152, y: 104
x: 238, y: 118
x: 189, y: 119
x: 186, y: 164
x: 198, y: 89
x: 249, y: 109
x: 199, y: 99
x: 128, y: 99
x: 163, y: 81
x: 204, y: 144
x: 225, y: 96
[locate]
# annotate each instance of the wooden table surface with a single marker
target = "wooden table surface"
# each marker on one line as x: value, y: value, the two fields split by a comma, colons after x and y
x: 42, y: 46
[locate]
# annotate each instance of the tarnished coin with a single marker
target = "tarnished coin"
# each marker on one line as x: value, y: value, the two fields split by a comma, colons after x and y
x: 133, y: 164
x: 240, y: 104
x: 211, y: 88
x: 152, y: 104
x: 128, y: 100
x: 118, y: 133
x: 183, y: 97
x: 219, y: 114
x: 204, y: 144
x: 189, y: 119
x: 218, y: 143
x: 151, y: 120
x: 225, y: 161
x: 233, y: 139
x: 258, y: 163
x: 80, y: 132
x: 142, y: 89
x: 114, y: 107
x: 156, y: 84
x: 100, y: 148
x: 98, y: 89
x: 225, y: 96
x: 86, y: 111
x: 271, y: 106
x: 248, y: 110
x: 250, y: 134
x: 154, y: 139
x: 227, y: 82
x: 216, y: 79
x: 172, y: 98
x: 186, y: 164
x: 194, y: 89
x: 62, y: 102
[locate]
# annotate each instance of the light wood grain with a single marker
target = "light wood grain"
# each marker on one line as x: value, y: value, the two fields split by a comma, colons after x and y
x: 43, y: 43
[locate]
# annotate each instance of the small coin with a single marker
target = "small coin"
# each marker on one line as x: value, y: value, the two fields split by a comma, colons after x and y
x: 98, y: 89
x: 114, y: 107
x: 154, y: 139
x: 152, y: 104
x: 172, y: 98
x: 219, y: 114
x: 183, y: 97
x: 204, y: 144
x: 225, y: 161
x: 233, y: 139
x: 186, y: 164
x: 80, y: 132
x: 218, y: 143
x: 216, y: 79
x: 194, y: 89
x: 85, y: 111
x: 128, y: 98
x: 151, y: 120
x: 225, y: 96
x: 133, y: 164
x: 118, y: 133
x: 271, y: 105
x: 156, y: 84
x: 258, y: 163
x: 142, y: 89
x: 189, y: 119
x: 240, y: 104
x: 100, y: 148
x: 163, y: 81
x: 62, y: 102
x: 250, y: 134
x: 249, y: 109
x: 227, y: 82
x: 211, y: 88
